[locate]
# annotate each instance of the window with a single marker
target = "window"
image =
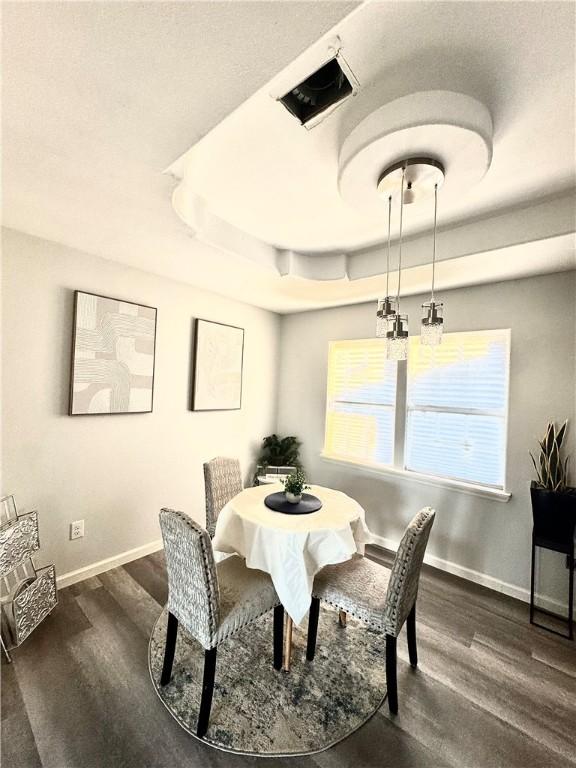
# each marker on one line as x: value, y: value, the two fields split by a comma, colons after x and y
x: 451, y: 402
x: 456, y: 407
x: 360, y: 402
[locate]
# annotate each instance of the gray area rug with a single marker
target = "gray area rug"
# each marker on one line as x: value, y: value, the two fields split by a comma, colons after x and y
x: 257, y: 710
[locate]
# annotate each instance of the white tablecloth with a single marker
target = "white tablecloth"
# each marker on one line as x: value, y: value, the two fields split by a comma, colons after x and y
x: 291, y: 548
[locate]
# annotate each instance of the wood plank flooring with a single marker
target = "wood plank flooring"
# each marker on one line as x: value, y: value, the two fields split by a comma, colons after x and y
x: 490, y: 691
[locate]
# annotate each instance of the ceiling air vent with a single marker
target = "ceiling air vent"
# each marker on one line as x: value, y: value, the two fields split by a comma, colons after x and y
x: 320, y: 91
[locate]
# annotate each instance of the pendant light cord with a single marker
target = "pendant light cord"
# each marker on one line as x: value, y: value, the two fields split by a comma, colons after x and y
x: 434, y: 240
x: 400, y: 239
x: 388, y: 252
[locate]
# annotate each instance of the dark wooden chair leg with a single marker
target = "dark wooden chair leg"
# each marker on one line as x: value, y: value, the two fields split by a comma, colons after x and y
x: 207, y: 691
x: 411, y: 632
x: 532, y: 583
x: 170, y: 647
x: 278, y: 635
x: 391, y: 683
x: 312, y: 628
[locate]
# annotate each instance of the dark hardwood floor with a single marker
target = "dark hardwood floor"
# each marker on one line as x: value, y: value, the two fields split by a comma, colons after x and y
x: 490, y: 691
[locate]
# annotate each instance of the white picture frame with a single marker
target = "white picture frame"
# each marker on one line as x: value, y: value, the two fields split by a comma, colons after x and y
x: 218, y: 363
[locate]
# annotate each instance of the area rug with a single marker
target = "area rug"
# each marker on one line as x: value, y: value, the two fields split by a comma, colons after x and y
x: 257, y: 710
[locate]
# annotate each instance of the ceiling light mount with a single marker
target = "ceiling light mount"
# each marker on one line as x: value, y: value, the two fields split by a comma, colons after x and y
x: 438, y: 127
x: 422, y: 175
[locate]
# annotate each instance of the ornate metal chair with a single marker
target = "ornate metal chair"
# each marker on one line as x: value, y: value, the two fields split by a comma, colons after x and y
x: 222, y: 481
x: 382, y: 598
x: 211, y: 602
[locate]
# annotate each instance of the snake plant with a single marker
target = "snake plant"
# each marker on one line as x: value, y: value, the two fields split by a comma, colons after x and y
x: 551, y: 470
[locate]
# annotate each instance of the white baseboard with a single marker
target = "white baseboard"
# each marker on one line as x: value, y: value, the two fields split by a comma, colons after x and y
x: 469, y: 574
x: 66, y: 579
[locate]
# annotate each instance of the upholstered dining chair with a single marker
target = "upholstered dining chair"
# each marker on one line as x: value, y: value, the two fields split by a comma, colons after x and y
x: 382, y: 598
x: 211, y: 602
x: 222, y: 481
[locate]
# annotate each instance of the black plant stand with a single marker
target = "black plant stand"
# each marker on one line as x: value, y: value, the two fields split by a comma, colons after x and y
x: 554, y: 525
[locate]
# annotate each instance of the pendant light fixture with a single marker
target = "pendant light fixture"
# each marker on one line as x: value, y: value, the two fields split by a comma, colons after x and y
x: 386, y: 306
x: 413, y: 179
x: 397, y: 333
x: 432, y: 318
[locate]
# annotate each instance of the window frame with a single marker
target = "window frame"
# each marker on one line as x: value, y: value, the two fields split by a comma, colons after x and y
x: 398, y: 467
x: 329, y: 410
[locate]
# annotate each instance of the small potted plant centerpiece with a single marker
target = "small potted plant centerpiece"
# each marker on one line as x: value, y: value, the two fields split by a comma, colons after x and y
x: 294, y: 484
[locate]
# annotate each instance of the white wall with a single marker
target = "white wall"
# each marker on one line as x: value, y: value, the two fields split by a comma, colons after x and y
x: 115, y: 472
x: 483, y: 535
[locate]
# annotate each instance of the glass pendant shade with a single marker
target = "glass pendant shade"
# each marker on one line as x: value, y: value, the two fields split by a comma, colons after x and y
x: 387, y: 307
x: 380, y: 325
x: 432, y: 323
x: 433, y: 311
x: 397, y: 337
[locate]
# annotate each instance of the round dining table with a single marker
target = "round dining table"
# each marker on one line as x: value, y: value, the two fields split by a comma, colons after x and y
x: 292, y: 548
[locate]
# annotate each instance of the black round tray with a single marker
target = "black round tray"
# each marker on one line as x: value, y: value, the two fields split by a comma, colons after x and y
x: 277, y: 502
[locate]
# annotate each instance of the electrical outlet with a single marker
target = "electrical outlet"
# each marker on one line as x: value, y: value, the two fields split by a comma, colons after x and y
x: 77, y: 529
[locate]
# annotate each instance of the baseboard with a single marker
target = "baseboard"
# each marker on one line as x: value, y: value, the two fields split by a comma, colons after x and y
x: 66, y: 579
x: 477, y: 577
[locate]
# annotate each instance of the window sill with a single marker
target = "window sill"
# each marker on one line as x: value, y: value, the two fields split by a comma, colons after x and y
x: 494, y: 494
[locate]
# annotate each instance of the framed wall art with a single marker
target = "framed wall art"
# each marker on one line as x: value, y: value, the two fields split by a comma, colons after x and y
x: 217, y: 371
x: 113, y: 350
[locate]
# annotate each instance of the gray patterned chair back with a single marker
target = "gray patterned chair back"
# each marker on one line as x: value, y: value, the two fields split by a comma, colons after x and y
x: 193, y: 595
x: 405, y: 574
x: 222, y: 481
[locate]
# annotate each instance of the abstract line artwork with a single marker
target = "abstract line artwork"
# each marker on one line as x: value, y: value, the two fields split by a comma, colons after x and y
x: 112, y: 356
x: 218, y: 354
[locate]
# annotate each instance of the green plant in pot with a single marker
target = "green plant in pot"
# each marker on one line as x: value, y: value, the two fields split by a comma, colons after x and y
x: 278, y: 452
x: 294, y: 484
x: 553, y: 501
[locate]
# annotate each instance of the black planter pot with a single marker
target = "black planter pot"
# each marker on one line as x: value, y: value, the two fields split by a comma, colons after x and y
x: 554, y: 515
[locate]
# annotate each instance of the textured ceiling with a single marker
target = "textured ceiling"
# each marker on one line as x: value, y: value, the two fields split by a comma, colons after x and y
x: 99, y: 98
x: 262, y: 172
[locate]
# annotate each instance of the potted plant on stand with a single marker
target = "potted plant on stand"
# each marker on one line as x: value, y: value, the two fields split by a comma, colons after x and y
x: 294, y: 484
x: 553, y: 508
x: 278, y: 455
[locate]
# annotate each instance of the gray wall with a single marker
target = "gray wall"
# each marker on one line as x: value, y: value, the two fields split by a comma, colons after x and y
x: 115, y: 472
x: 483, y: 535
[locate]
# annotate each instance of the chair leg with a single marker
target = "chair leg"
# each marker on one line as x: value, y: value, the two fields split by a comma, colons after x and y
x: 207, y: 691
x: 411, y: 632
x: 170, y: 647
x: 391, y: 682
x: 312, y: 628
x: 278, y: 635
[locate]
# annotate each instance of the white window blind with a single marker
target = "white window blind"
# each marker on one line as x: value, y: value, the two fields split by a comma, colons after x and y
x: 456, y: 407
x: 361, y: 396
